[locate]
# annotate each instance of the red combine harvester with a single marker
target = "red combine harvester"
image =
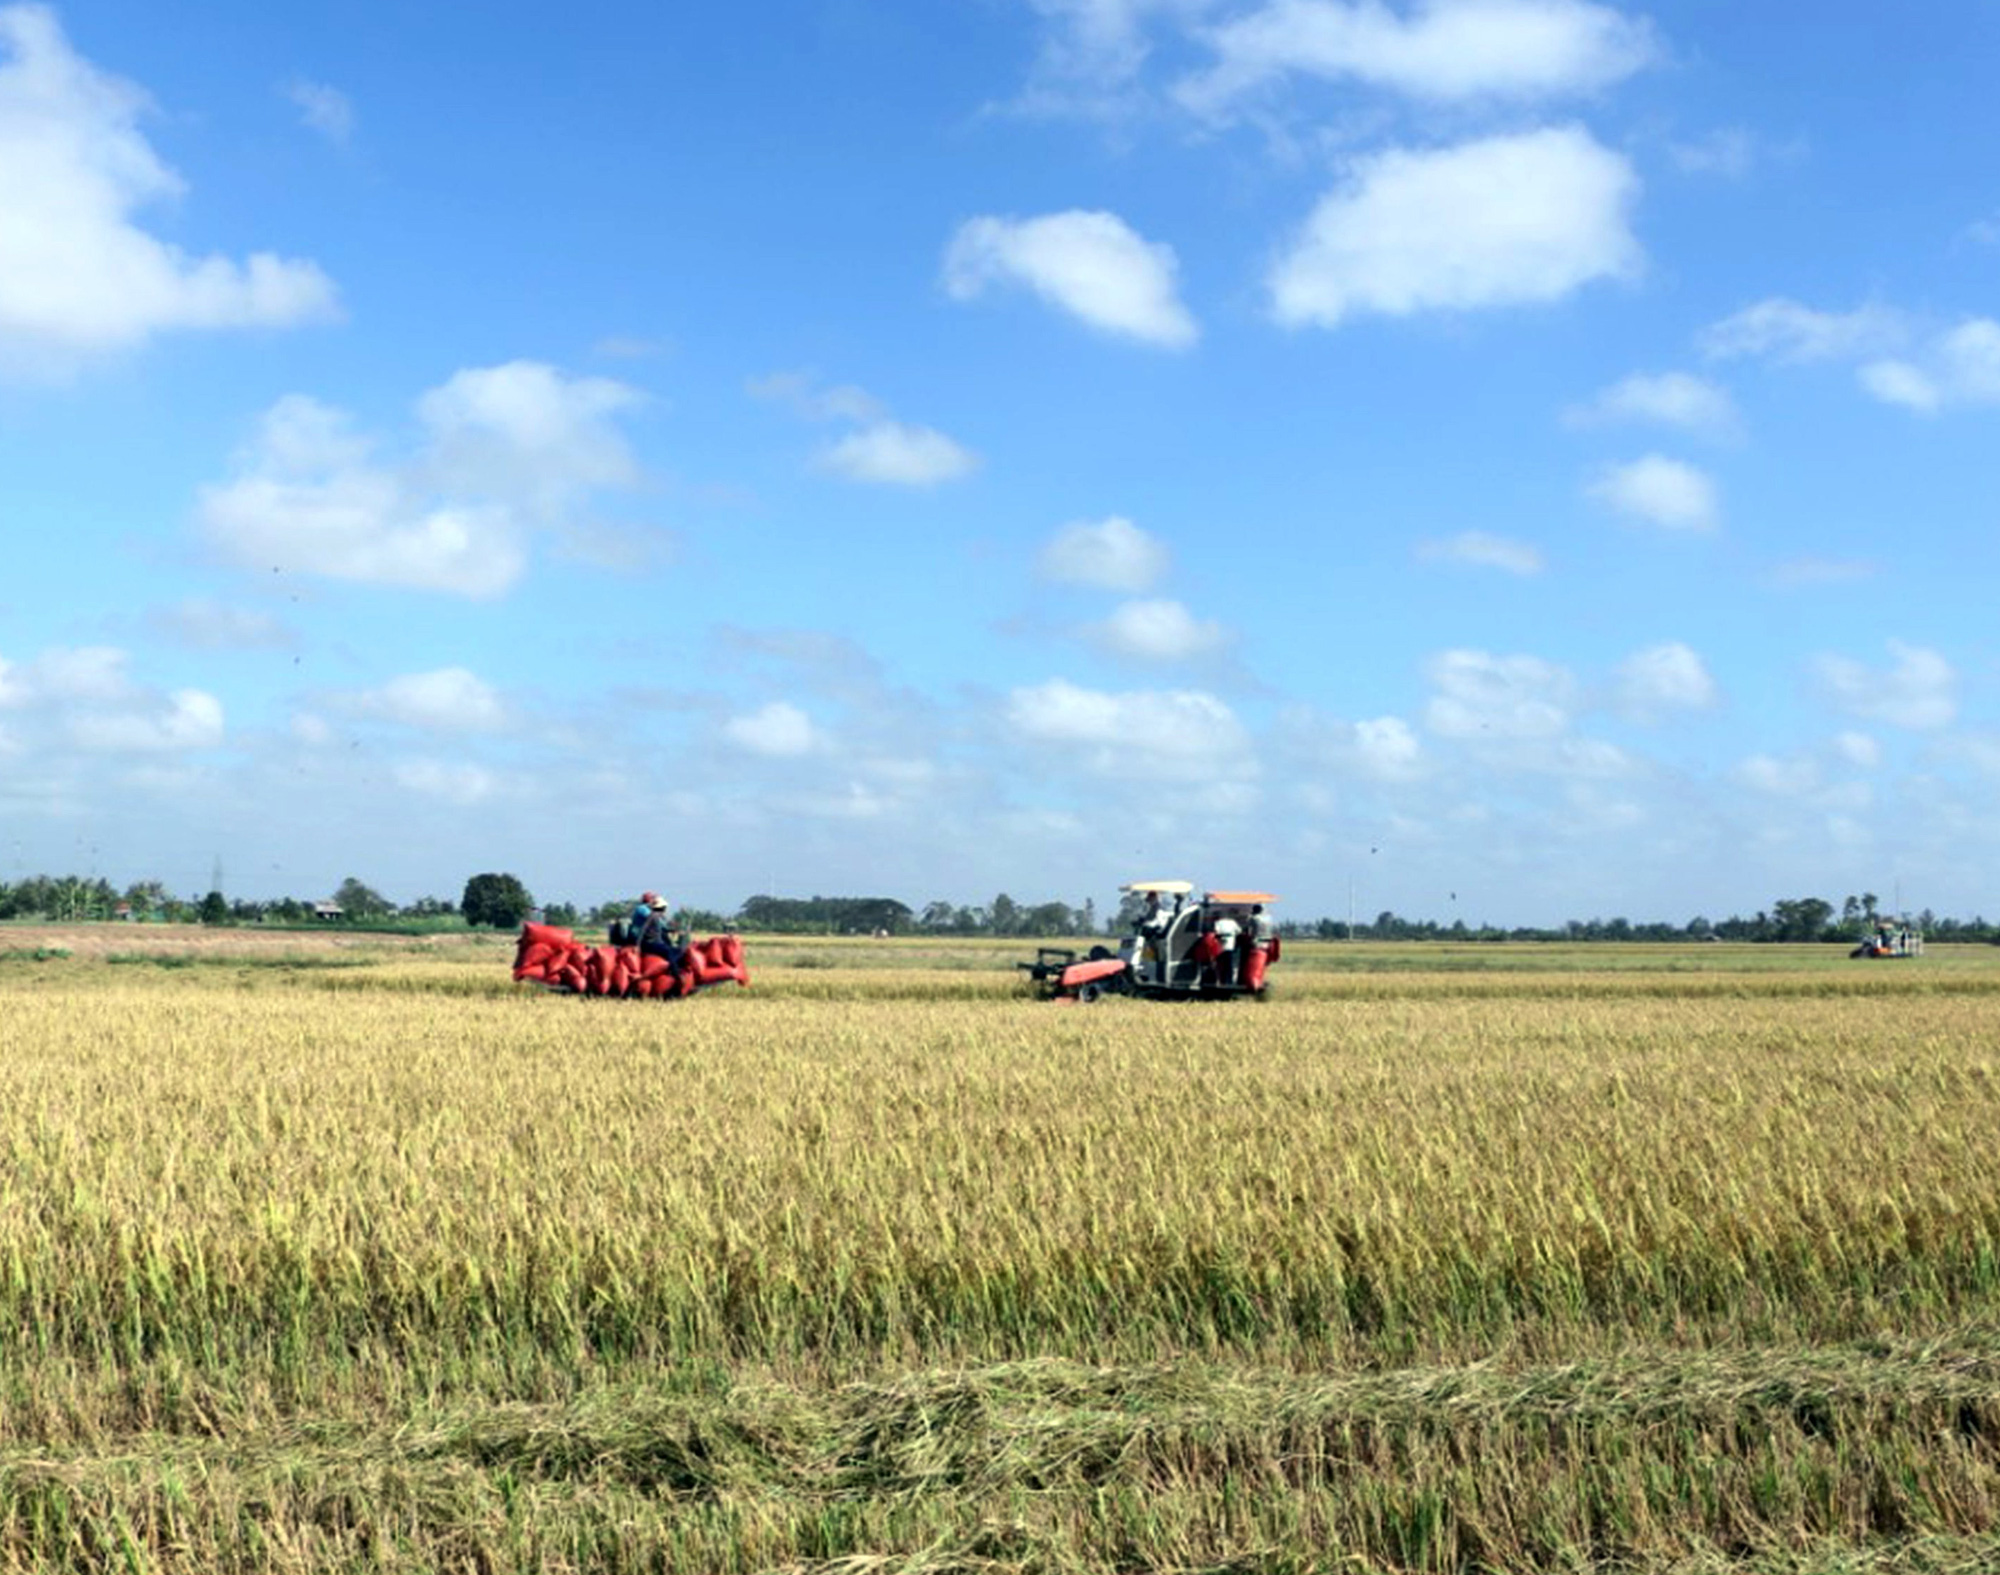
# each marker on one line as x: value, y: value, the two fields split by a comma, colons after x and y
x: 1214, y: 948
x: 556, y: 958
x: 1891, y: 940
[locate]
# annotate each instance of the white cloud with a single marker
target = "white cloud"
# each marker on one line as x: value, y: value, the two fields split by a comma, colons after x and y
x: 879, y: 450
x: 1660, y: 491
x: 1388, y: 748
x: 779, y: 730
x: 1383, y: 749
x: 311, y: 730
x: 1479, y: 549
x: 1092, y: 54
x: 1858, y: 749
x: 894, y: 454
x: 506, y: 451
x: 1920, y: 691
x: 449, y: 700
x: 1675, y: 399
x: 456, y: 782
x: 1585, y: 758
x: 1779, y: 329
x: 1921, y: 372
x: 186, y: 719
x: 545, y: 437
x: 1899, y: 383
x: 86, y: 697
x: 78, y: 276
x: 1178, y: 734
x: 1507, y: 221
x: 323, y: 109
x: 1793, y: 778
x: 855, y: 801
x: 1092, y: 265
x: 1112, y: 554
x: 1443, y: 50
x: 1665, y: 678
x: 87, y: 674
x: 810, y: 398
x: 308, y: 500
x: 1961, y: 367
x: 1158, y: 630
x: 1482, y: 696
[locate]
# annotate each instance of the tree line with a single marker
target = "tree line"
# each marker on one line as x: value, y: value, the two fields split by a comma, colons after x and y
x: 498, y: 900
x: 1791, y: 919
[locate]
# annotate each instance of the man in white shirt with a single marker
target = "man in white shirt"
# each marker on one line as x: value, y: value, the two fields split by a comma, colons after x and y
x: 1226, y: 931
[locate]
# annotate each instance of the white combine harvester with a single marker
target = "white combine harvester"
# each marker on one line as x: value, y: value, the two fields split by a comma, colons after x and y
x: 1212, y: 948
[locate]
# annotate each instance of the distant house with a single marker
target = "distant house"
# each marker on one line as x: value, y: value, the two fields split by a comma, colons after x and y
x: 328, y: 910
x: 122, y: 913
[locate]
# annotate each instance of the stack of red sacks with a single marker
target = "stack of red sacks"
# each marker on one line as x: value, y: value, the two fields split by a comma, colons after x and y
x: 554, y: 956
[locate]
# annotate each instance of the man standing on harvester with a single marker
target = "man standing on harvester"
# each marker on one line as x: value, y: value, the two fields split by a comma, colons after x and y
x: 1227, y: 932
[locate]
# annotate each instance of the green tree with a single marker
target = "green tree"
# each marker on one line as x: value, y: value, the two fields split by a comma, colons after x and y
x: 1046, y: 919
x: 360, y: 902
x: 1801, y: 918
x: 147, y: 898
x: 214, y: 909
x: 498, y: 900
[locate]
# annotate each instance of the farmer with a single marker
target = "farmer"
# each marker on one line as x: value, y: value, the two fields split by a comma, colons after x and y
x: 656, y: 935
x: 1257, y: 954
x: 1226, y: 931
x: 1153, y: 926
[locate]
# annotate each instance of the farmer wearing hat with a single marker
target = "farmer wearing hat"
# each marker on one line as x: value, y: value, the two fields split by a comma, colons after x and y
x: 657, y: 935
x: 642, y: 910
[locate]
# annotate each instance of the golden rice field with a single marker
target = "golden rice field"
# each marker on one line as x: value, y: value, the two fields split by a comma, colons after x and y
x: 352, y: 1255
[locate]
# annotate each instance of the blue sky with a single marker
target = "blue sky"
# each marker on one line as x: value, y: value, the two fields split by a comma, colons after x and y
x: 1513, y: 459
